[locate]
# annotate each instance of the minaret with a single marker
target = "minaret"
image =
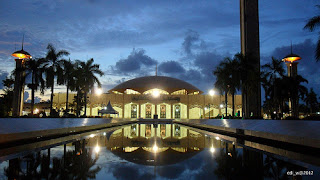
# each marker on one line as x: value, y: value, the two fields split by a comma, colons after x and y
x: 250, y: 48
x: 291, y: 61
x: 18, y: 91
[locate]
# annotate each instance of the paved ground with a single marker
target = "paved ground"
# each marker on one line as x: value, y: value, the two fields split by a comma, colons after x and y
x: 300, y: 132
x: 17, y: 125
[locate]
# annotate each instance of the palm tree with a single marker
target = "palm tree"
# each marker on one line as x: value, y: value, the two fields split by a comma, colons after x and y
x: 88, y: 78
x: 68, y: 69
x: 271, y: 78
x: 311, y: 25
x: 312, y: 101
x: 35, y: 68
x: 54, y: 61
x: 223, y: 79
x: 228, y: 79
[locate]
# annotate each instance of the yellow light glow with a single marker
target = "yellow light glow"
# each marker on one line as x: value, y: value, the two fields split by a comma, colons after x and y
x: 155, y: 148
x: 21, y: 56
x: 212, y: 149
x: 91, y: 135
x: 217, y: 138
x: 36, y: 111
x: 97, y: 149
x: 212, y: 92
x: 99, y: 91
x: 291, y: 58
x: 156, y: 93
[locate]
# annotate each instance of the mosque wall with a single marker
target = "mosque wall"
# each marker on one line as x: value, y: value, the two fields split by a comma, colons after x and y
x: 168, y: 106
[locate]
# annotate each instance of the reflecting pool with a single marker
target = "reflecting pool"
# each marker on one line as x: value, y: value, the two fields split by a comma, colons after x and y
x: 151, y: 151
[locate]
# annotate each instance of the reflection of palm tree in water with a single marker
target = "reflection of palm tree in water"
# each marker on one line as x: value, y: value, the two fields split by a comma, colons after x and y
x: 71, y: 166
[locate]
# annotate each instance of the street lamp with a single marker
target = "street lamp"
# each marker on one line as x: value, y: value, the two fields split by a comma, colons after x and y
x: 291, y: 61
x: 17, y: 104
x: 98, y: 91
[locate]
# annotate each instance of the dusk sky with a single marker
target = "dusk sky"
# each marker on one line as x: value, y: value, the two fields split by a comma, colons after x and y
x: 187, y: 39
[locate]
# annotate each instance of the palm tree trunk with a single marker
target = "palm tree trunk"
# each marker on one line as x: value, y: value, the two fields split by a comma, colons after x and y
x: 226, y: 101
x: 67, y: 99
x: 78, y: 102
x: 51, y: 98
x: 32, y: 101
x: 233, y: 105
x: 85, y: 104
x: 32, y: 95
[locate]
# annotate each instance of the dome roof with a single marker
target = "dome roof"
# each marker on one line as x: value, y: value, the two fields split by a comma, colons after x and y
x: 143, y: 84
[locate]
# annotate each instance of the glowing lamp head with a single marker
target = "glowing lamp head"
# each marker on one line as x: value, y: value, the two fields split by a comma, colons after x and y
x: 212, y: 92
x: 21, y: 54
x: 291, y: 58
x: 36, y: 111
x: 156, y: 93
x: 99, y: 91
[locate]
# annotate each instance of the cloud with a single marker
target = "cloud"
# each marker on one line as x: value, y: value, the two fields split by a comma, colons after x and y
x: 134, y: 63
x: 171, y: 67
x: 189, y: 41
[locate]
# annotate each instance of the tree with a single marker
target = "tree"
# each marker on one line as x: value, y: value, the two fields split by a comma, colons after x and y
x: 228, y: 79
x: 68, y: 75
x: 311, y: 25
x: 52, y: 67
x: 35, y: 68
x: 87, y: 77
x: 311, y: 101
x: 6, y: 98
x: 271, y: 78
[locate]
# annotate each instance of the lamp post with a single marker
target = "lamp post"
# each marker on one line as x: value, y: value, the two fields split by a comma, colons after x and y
x: 17, y: 104
x: 291, y: 61
x: 211, y: 93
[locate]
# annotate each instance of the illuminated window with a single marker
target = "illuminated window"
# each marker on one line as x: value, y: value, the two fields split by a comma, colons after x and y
x: 133, y: 111
x: 153, y: 91
x: 180, y: 92
x: 130, y: 91
x: 148, y: 111
x: 163, y: 111
x: 177, y: 111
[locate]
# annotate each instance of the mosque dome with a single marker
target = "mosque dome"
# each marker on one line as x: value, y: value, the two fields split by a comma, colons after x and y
x: 142, y: 85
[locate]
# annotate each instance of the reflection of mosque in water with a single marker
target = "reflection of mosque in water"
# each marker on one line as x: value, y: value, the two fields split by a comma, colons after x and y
x: 159, y: 144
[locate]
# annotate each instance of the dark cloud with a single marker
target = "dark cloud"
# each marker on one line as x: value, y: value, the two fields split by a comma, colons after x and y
x: 134, y: 63
x: 171, y: 67
x: 189, y: 41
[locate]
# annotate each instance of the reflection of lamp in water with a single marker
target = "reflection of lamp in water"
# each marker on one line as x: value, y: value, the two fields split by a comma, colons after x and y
x: 97, y: 148
x: 91, y: 135
x: 155, y: 148
x: 212, y: 150
x: 217, y: 138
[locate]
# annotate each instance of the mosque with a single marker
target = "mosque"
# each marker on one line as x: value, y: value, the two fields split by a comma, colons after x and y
x: 157, y: 96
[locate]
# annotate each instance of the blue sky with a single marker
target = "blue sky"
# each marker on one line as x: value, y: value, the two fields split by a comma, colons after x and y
x: 187, y: 39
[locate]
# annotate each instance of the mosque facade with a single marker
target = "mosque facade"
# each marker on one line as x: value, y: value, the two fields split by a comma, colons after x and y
x: 165, y: 97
